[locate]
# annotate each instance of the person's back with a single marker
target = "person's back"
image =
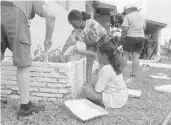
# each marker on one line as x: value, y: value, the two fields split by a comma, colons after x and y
x: 115, y: 93
x: 136, y: 24
x: 133, y: 28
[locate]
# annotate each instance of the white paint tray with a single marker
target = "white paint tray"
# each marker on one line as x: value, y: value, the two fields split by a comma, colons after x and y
x: 84, y: 109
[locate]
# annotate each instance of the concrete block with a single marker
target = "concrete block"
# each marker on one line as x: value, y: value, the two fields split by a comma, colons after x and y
x: 46, y: 95
x: 48, y: 90
x: 7, y: 91
x: 50, y: 99
x: 163, y: 88
x: 65, y: 90
x: 38, y: 84
x: 43, y: 79
x: 134, y: 93
x: 8, y: 73
x: 52, y: 85
x: 47, y: 75
x: 63, y: 81
x: 42, y: 64
x: 9, y: 68
x: 40, y: 69
x: 35, y: 98
x: 10, y: 78
x: 6, y: 63
x: 12, y: 87
x: 7, y: 82
x: 34, y: 89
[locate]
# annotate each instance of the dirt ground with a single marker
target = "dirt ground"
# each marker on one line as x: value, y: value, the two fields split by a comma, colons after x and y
x: 150, y: 109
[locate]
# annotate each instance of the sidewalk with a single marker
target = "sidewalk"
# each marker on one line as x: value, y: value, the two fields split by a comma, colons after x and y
x: 158, y: 65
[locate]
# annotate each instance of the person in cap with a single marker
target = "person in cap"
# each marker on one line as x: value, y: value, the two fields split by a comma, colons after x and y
x: 15, y: 35
x: 133, y: 28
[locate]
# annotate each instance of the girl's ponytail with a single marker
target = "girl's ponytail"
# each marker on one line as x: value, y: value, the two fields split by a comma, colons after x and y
x: 110, y: 50
x: 114, y: 62
x: 85, y: 16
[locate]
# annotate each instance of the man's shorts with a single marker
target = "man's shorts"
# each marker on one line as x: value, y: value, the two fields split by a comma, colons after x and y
x: 133, y: 44
x: 15, y: 34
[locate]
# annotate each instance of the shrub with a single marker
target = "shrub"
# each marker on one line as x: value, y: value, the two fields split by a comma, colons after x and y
x: 54, y: 56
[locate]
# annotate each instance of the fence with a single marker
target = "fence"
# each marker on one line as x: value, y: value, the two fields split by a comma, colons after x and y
x: 48, y: 80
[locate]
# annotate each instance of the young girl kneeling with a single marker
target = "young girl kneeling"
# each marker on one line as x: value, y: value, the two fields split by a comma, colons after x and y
x: 110, y: 89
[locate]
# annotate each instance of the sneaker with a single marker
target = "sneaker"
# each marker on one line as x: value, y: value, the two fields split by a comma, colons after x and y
x: 33, y: 109
x: 132, y: 78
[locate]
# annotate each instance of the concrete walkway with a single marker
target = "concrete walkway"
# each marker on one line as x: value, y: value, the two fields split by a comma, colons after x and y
x: 158, y: 65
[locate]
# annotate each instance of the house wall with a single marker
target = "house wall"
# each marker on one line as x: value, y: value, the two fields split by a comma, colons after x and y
x: 156, y: 35
x: 159, y: 41
x: 90, y: 9
x: 103, y: 20
x: 62, y: 27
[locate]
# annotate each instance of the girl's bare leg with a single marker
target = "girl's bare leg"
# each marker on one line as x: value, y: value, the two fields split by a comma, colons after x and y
x: 92, y: 95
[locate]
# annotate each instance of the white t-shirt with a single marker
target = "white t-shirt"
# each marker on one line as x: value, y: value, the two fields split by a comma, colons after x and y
x: 112, y: 86
x: 136, y: 24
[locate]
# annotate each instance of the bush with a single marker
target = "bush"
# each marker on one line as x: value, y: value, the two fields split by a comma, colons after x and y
x: 54, y: 56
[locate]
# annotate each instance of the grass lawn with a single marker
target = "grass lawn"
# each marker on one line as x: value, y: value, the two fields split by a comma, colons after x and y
x: 150, y: 109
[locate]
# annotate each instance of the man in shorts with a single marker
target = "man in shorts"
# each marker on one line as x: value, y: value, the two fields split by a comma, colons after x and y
x: 133, y: 28
x: 15, y: 35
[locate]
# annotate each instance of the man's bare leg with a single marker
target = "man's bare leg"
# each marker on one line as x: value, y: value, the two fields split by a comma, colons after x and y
x: 126, y: 57
x: 135, y: 63
x: 23, y: 80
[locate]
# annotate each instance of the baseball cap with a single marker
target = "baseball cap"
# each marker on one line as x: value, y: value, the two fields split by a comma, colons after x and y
x: 128, y: 6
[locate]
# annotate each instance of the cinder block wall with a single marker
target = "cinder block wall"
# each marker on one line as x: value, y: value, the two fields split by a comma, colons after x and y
x: 48, y: 80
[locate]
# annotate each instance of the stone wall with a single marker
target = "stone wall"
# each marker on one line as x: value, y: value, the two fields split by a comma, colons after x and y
x: 48, y: 80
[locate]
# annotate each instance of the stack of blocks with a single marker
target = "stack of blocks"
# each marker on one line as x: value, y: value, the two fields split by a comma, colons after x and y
x: 48, y: 80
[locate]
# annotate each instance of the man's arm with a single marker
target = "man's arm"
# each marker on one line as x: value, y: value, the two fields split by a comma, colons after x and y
x: 125, y: 26
x: 89, y: 54
x: 124, y: 31
x: 50, y: 22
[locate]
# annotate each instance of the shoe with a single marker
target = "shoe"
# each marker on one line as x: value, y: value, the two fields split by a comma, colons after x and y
x: 132, y: 78
x: 33, y: 109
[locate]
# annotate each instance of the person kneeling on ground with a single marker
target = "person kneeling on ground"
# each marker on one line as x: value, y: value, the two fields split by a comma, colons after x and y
x: 110, y: 89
